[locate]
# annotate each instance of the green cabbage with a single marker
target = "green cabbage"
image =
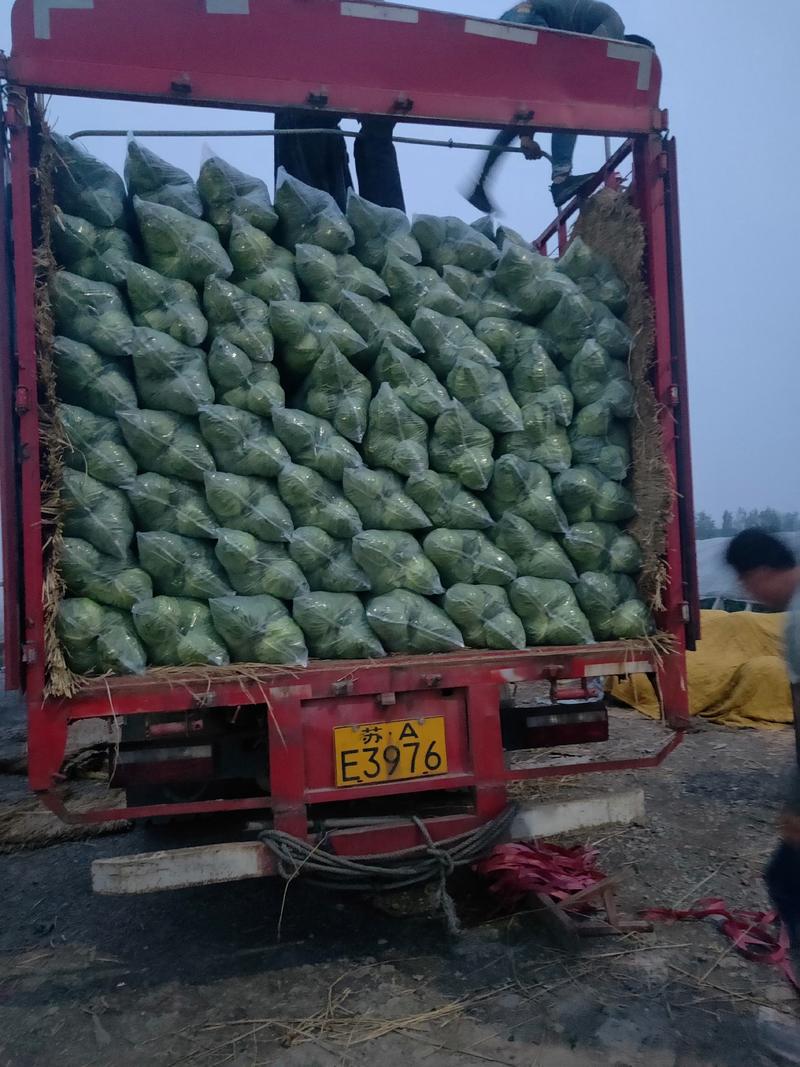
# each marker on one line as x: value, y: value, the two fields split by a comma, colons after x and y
x: 316, y: 501
x: 181, y: 566
x: 151, y: 178
x: 96, y: 445
x: 98, y: 254
x: 380, y: 501
x: 598, y: 597
x: 98, y: 640
x: 92, y: 313
x: 414, y: 288
x: 484, y: 616
x: 525, y: 489
x: 392, y: 559
x: 549, y: 613
x: 178, y: 632
x: 327, y: 277
x: 171, y: 505
x: 335, y: 626
x: 446, y: 503
x: 536, y: 555
x: 625, y: 555
x: 577, y: 490
x: 412, y: 380
x: 484, y: 393
x: 86, y: 187
x: 468, y: 556
x: 97, y: 514
x: 396, y: 439
x: 313, y: 442
x: 93, y: 381
x: 310, y: 216
x: 610, y: 454
x: 253, y: 387
x: 594, y: 275
x: 531, y: 281
x: 380, y: 232
x: 248, y: 504
x: 262, y: 268
x: 240, y: 318
x: 481, y: 299
x: 631, y: 620
x: 461, y: 446
x: 227, y: 193
x: 551, y: 449
x: 179, y: 246
x: 166, y: 304
x: 327, y: 564
x: 88, y: 573
x: 570, y: 323
x: 586, y: 545
x: 379, y: 326
x: 254, y: 568
x: 165, y: 444
x: 334, y: 390
x: 532, y: 372
x: 408, y: 624
x: 305, y: 331
x: 449, y: 241
x: 510, y: 341
x: 242, y: 443
x: 258, y: 629
x: 447, y: 340
x: 170, y: 376
x: 626, y: 588
x: 613, y: 335
x: 613, y: 503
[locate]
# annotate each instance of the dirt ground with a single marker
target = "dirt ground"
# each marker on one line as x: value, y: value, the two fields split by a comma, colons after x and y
x: 240, y: 975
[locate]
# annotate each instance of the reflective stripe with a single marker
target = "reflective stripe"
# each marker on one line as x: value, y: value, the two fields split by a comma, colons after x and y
x: 378, y: 11
x: 228, y: 7
x: 602, y: 670
x: 42, y: 9
x: 634, y: 53
x: 504, y: 31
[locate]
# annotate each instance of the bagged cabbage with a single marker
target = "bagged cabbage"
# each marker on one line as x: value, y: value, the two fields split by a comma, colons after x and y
x: 484, y: 393
x: 227, y: 192
x: 408, y: 624
x: 412, y: 381
x: 96, y: 513
x: 577, y: 490
x: 88, y: 573
x: 525, y: 489
x: 166, y: 304
x: 166, y: 444
x: 335, y: 626
x: 170, y: 376
x: 242, y: 443
x: 394, y: 560
x: 261, y: 267
x: 485, y: 225
x: 586, y: 545
x: 468, y: 556
x: 589, y: 372
x: 630, y: 620
x: 313, y: 442
x: 316, y: 501
x: 178, y: 632
x: 626, y: 587
x: 92, y: 313
x: 96, y: 446
x: 181, y: 566
x: 328, y: 564
x: 151, y: 178
x: 170, y: 505
x: 619, y: 395
x: 412, y: 288
x: 624, y: 554
x: 461, y: 446
x: 98, y: 640
x: 594, y: 275
x: 100, y: 255
x: 336, y: 391
x: 253, y: 387
x: 93, y: 381
x: 447, y: 340
x: 396, y: 439
x: 254, y: 568
x: 549, y: 613
x: 531, y: 281
x: 508, y: 341
x: 483, y: 615
x: 598, y: 597
x: 611, y: 333
x: 258, y: 629
x: 592, y: 421
x: 570, y: 323
x: 481, y: 299
x: 446, y: 503
x: 380, y: 501
x: 536, y: 555
x: 378, y: 325
x: 248, y: 504
x: 326, y: 277
x: 380, y: 232
x: 240, y: 318
x: 613, y: 503
x: 533, y: 372
x: 179, y: 246
x: 450, y: 242
x: 305, y: 331
x: 549, y: 447
x: 86, y: 187
x: 310, y: 216
x: 611, y: 454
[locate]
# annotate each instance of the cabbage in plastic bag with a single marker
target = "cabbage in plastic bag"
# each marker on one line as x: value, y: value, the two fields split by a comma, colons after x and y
x: 98, y: 254
x: 594, y: 275
x: 468, y: 556
x: 413, y: 288
x: 166, y: 444
x: 380, y: 501
x: 412, y: 380
x: 336, y: 391
x: 97, y: 514
x: 445, y: 502
x: 310, y: 216
x: 380, y: 232
x: 550, y: 447
x: 248, y: 504
x: 589, y: 372
x: 328, y: 564
x: 166, y: 304
x: 258, y: 629
x: 316, y: 501
x: 483, y: 615
x: 305, y: 331
x: 484, y: 393
x: 93, y: 381
x: 461, y: 446
x: 549, y: 613
x: 335, y: 626
x: 396, y: 439
x: 313, y: 442
x: 509, y: 341
x: 577, y: 490
x: 531, y: 281
x: 253, y: 387
x: 586, y: 545
x: 239, y: 318
x: 178, y: 632
x: 86, y: 187
x: 611, y: 333
x: 92, y: 313
x: 613, y: 503
x: 408, y: 624
x: 598, y: 597
x: 624, y: 553
x: 630, y: 620
x: 181, y: 566
x: 537, y: 555
x: 179, y: 246
x: 254, y: 567
x: 170, y: 505
x: 378, y: 325
x: 532, y: 373
x: 170, y: 376
x: 447, y: 340
x: 450, y: 242
x: 97, y: 639
x: 151, y: 178
x: 242, y: 443
x: 481, y: 299
x: 261, y: 266
x: 226, y: 192
x: 326, y: 277
x: 96, y: 445
x: 592, y: 421
x: 88, y: 573
x: 611, y: 454
x: 392, y: 559
x: 570, y: 323
x: 525, y: 489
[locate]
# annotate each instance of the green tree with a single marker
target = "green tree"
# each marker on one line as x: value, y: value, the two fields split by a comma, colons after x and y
x: 705, y: 526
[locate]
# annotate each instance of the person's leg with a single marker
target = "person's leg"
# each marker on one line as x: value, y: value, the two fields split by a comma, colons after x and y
x: 319, y: 160
x: 783, y: 882
x: 563, y: 151
x: 376, y: 164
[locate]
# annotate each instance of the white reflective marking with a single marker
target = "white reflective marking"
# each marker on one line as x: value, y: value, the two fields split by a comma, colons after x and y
x: 42, y: 9
x: 378, y: 11
x: 228, y: 7
x: 502, y: 30
x: 634, y: 53
x: 602, y: 670
x: 508, y: 674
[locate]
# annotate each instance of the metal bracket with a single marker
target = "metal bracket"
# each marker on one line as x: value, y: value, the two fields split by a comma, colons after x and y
x: 22, y: 398
x: 317, y: 99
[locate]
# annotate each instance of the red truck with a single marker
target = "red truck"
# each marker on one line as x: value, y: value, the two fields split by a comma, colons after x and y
x: 297, y: 749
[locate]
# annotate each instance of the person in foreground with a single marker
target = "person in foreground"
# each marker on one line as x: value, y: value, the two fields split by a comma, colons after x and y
x: 769, y: 572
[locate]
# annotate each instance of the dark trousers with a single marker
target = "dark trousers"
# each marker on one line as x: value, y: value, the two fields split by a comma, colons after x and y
x: 783, y: 882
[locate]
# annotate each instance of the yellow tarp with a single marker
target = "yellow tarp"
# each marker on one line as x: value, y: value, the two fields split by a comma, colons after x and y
x: 737, y: 676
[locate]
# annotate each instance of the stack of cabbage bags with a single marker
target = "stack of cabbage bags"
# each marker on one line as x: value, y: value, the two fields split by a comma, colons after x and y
x: 297, y: 433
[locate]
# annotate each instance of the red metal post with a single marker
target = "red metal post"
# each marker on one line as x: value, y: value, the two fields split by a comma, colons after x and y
x: 287, y: 771
x: 486, y: 744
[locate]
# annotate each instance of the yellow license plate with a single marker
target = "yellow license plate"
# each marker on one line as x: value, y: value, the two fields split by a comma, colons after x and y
x: 390, y: 751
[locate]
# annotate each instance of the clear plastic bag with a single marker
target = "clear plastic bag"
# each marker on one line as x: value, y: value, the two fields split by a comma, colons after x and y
x: 306, y: 330
x: 102, y: 255
x: 624, y: 554
x: 447, y: 340
x: 598, y: 597
x: 378, y: 325
x: 170, y: 505
x: 227, y: 192
x: 253, y: 387
x: 630, y: 621
x: 328, y: 564
x: 408, y: 624
x: 570, y: 323
x: 380, y: 232
x: 310, y: 216
x: 446, y: 503
x: 484, y: 393
x: 179, y: 632
x: 314, y: 443
x: 549, y: 613
x: 396, y: 439
x: 531, y: 281
x: 594, y: 275
x: 525, y: 489
x: 468, y: 556
x: 611, y: 333
x: 586, y: 545
x: 97, y: 513
x: 412, y: 380
x: 255, y: 568
x: 483, y: 615
x: 242, y: 443
x: 549, y: 447
x: 481, y: 299
x: 536, y: 554
x: 152, y: 178
x: 392, y: 560
x: 381, y: 502
x: 316, y: 501
x: 170, y: 376
x: 86, y: 187
x: 262, y: 267
x: 577, y: 490
x: 179, y: 246
x: 92, y: 313
x: 450, y: 242
x: 413, y: 288
x: 98, y: 639
x: 181, y: 566
x: 88, y: 573
x: 248, y: 504
x: 240, y: 318
x: 335, y: 626
x: 96, y: 446
x: 336, y: 391
x: 326, y: 277
x: 93, y: 381
x: 509, y: 341
x: 258, y: 629
x: 166, y: 444
x: 166, y: 304
x: 613, y: 503
x: 461, y: 446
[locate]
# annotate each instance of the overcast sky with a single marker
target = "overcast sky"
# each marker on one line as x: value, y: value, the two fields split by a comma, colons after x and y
x: 731, y: 83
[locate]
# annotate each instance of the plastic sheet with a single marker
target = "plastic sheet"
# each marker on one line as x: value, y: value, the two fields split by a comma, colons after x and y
x: 86, y: 187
